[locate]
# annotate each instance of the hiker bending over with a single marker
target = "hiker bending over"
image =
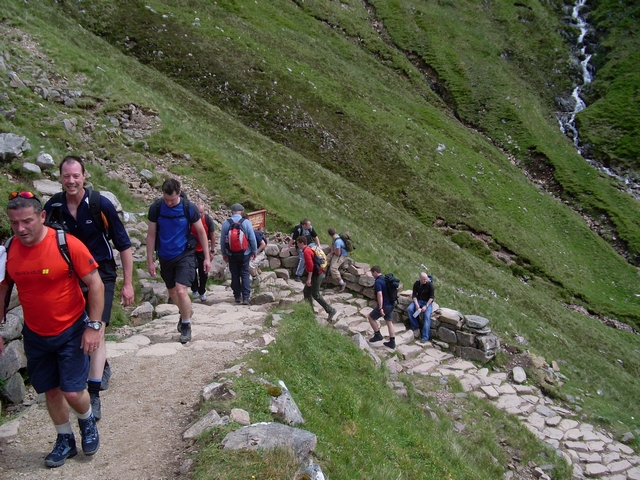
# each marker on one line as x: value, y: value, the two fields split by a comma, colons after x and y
x: 306, y: 230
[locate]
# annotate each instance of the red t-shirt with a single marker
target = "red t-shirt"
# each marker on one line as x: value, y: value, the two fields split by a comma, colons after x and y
x: 195, y: 233
x: 309, y: 255
x: 51, y: 300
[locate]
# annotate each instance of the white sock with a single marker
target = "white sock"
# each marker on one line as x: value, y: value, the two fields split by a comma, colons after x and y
x: 63, y: 429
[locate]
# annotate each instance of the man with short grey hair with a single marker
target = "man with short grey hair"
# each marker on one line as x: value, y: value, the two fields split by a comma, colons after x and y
x: 238, y: 247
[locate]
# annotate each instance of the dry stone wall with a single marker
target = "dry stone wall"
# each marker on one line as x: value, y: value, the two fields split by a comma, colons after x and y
x: 467, y: 336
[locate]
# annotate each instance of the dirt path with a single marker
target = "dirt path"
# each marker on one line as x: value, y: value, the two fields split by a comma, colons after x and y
x: 150, y: 401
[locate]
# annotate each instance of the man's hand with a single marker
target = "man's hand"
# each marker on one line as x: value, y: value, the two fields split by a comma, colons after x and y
x: 91, y: 339
x: 126, y: 295
x: 206, y: 265
x: 151, y: 268
x: 225, y: 258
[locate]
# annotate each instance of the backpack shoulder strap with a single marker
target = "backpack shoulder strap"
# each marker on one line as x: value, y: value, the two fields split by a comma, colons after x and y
x: 10, y: 283
x: 99, y: 219
x: 63, y: 246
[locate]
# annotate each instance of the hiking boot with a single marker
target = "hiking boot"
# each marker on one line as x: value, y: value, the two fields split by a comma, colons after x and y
x: 416, y: 333
x: 203, y: 298
x: 377, y: 337
x: 245, y: 301
x: 179, y: 325
x: 185, y: 333
x: 238, y: 301
x: 390, y: 344
x: 64, y: 448
x: 342, y: 287
x: 106, y: 376
x: 89, y: 433
x: 96, y: 406
x: 332, y: 314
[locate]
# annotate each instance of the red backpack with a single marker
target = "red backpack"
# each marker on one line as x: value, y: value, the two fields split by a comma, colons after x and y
x: 236, y: 239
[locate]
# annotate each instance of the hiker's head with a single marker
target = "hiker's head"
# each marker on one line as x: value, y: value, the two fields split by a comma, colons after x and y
x: 72, y: 175
x: 72, y: 159
x: 201, y: 209
x: 306, y: 223
x: 26, y: 217
x: 237, y: 209
x: 331, y: 232
x: 424, y: 278
x: 301, y: 241
x: 171, y: 192
x: 376, y: 270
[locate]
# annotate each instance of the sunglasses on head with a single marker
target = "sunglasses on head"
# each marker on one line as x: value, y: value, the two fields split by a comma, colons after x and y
x: 23, y: 194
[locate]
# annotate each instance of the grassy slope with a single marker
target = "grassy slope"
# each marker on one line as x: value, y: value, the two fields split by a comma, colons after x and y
x: 241, y: 164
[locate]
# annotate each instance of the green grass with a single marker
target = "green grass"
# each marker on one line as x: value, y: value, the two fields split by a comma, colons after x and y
x: 361, y: 424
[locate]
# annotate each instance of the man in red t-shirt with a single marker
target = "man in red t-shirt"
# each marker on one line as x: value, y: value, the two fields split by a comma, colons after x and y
x: 57, y: 335
x: 199, y: 286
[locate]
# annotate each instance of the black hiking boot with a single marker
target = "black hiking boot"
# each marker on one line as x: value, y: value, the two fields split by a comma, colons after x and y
x: 390, y: 344
x: 64, y: 448
x: 185, y: 333
x: 377, y: 337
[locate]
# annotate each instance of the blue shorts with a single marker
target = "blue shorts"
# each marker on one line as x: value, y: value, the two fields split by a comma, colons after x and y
x: 388, y: 313
x: 57, y: 361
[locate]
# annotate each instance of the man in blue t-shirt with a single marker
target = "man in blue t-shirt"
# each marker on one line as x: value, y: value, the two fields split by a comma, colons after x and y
x: 383, y: 309
x: 337, y: 257
x: 170, y: 221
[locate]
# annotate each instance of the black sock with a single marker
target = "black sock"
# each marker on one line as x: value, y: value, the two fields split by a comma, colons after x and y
x: 93, y: 387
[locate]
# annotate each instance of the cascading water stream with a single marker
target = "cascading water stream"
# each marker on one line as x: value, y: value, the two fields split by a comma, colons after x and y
x: 567, y: 119
x: 575, y: 104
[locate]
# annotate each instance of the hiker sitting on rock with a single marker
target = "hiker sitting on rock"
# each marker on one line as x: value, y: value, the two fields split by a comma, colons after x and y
x: 421, y: 306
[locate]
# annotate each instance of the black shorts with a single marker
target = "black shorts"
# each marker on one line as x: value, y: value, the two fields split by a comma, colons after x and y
x: 181, y: 269
x: 388, y: 313
x: 57, y: 361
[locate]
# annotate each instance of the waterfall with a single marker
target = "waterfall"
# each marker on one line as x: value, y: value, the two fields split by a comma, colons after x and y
x: 575, y: 104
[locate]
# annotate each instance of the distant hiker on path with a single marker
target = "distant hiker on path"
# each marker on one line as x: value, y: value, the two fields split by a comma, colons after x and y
x: 383, y: 309
x: 306, y: 230
x: 238, y: 246
x: 93, y: 219
x: 170, y: 221
x: 314, y: 278
x: 421, y: 305
x: 57, y: 333
x: 199, y: 286
x: 337, y: 257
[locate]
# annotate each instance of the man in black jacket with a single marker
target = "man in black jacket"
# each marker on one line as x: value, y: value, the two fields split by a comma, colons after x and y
x: 421, y: 304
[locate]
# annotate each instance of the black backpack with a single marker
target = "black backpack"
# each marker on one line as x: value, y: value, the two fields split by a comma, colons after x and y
x: 191, y: 239
x: 54, y: 216
x: 392, y: 287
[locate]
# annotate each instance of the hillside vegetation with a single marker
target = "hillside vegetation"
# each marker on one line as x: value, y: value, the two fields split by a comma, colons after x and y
x: 416, y: 125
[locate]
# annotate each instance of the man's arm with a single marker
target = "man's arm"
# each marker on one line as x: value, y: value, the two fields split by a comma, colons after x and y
x: 212, y: 234
x: 151, y: 245
x: 126, y: 294
x: 380, y: 301
x: 91, y: 339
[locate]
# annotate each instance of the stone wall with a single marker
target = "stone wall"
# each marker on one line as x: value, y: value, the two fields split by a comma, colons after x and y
x: 468, y: 337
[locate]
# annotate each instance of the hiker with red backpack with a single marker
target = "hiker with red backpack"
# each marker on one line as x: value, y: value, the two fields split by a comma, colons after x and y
x: 238, y: 247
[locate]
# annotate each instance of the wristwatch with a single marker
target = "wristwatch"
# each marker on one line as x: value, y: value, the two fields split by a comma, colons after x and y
x: 96, y: 324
